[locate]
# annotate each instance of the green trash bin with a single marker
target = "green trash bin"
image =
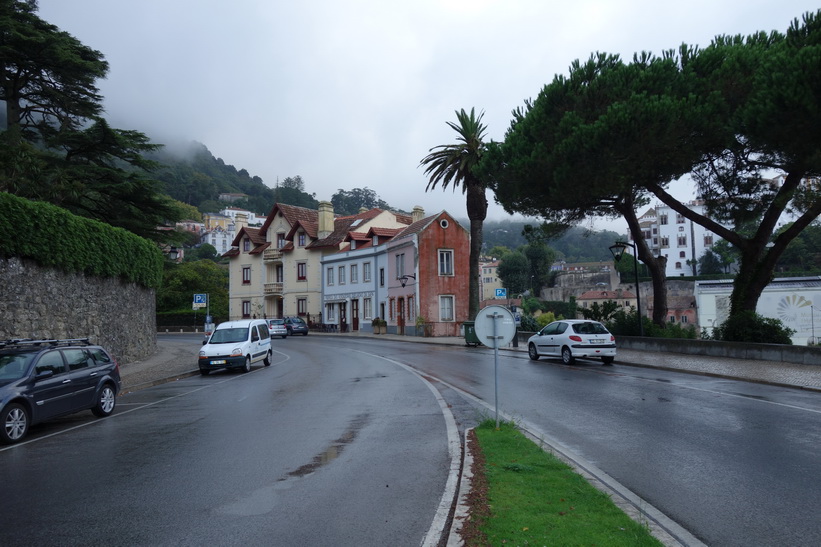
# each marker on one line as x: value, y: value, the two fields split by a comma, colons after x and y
x: 470, y: 333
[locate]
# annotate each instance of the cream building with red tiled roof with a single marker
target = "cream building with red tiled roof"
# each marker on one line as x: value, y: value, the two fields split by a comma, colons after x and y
x: 275, y: 271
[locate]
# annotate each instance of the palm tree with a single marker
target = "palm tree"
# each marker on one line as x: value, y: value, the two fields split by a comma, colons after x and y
x: 453, y: 164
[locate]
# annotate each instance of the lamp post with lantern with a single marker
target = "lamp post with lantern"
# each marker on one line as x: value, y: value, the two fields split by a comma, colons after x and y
x: 618, y: 250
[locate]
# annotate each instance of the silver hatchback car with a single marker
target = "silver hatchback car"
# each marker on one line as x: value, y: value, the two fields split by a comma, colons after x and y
x: 277, y: 327
x: 572, y: 338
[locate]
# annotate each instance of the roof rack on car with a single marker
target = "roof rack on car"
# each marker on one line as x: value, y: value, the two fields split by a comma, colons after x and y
x: 47, y: 342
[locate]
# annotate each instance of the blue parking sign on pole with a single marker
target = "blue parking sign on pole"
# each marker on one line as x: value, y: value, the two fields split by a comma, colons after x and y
x: 501, y: 293
x: 200, y: 299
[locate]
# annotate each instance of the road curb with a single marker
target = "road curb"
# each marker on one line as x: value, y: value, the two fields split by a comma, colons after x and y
x: 461, y: 512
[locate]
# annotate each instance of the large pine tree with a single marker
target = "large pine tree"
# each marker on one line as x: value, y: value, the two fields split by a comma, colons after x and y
x: 56, y: 146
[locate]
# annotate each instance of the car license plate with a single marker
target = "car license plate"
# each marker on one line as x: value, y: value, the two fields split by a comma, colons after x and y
x: 597, y: 341
x: 218, y: 362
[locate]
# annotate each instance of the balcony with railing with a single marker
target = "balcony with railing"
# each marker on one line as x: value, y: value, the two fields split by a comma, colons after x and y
x: 273, y: 288
x: 271, y: 255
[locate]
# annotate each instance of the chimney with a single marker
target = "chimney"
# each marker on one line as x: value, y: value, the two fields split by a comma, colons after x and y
x: 363, y: 210
x: 241, y: 221
x: 325, y: 221
x: 418, y: 213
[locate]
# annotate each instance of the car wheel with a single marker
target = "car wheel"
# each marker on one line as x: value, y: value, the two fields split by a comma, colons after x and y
x: 532, y: 353
x: 15, y: 421
x: 106, y: 400
x: 567, y: 356
x: 267, y: 360
x: 247, y: 367
x: 204, y: 372
x: 607, y: 359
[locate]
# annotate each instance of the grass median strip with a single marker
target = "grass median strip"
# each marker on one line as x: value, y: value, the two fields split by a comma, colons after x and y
x: 524, y: 496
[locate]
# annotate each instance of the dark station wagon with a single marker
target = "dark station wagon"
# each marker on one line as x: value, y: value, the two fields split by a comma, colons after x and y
x: 44, y: 379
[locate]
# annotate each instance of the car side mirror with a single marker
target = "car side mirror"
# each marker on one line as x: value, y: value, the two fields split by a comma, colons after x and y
x: 43, y: 375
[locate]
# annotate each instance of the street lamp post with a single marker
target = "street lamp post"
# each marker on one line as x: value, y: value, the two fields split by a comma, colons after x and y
x: 618, y: 251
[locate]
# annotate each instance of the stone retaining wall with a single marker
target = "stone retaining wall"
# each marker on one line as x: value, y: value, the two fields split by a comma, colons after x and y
x: 45, y: 303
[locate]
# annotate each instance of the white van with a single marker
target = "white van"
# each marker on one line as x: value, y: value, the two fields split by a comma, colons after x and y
x: 236, y: 344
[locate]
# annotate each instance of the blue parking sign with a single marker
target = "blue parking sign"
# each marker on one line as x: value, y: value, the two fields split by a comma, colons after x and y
x: 200, y: 299
x: 501, y: 293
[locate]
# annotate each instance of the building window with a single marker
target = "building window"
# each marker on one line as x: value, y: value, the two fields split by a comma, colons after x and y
x: 246, y: 245
x: 381, y: 277
x: 301, y: 306
x: 679, y: 218
x: 663, y: 219
x: 682, y: 254
x: 366, y: 272
x: 367, y: 304
x: 354, y: 273
x: 400, y: 265
x: 330, y: 313
x: 301, y: 239
x: 301, y: 271
x: 246, y: 275
x: 246, y: 308
x: 682, y: 241
x: 330, y: 276
x: 279, y: 274
x: 672, y: 318
x: 446, y: 262
x: 390, y: 309
x: 665, y: 241
x: 678, y: 265
x: 683, y: 318
x: 342, y: 275
x: 708, y: 240
x: 280, y: 240
x: 446, y: 308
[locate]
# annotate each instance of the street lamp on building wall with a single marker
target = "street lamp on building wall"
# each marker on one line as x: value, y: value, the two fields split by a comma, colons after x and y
x: 404, y: 279
x: 618, y: 250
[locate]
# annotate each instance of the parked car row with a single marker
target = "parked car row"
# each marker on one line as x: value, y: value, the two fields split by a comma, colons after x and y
x: 238, y: 344
x: 44, y: 379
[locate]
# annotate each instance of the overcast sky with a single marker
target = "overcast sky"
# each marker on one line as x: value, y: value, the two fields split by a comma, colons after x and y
x: 353, y: 93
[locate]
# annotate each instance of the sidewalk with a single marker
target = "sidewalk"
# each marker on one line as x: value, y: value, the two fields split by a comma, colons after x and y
x: 174, y: 360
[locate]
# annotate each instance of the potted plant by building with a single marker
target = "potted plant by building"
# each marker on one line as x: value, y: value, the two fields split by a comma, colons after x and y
x: 379, y: 325
x: 423, y: 328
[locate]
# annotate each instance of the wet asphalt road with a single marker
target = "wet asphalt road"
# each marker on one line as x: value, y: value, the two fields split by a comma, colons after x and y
x: 325, y: 447
x: 336, y: 445
x: 735, y: 463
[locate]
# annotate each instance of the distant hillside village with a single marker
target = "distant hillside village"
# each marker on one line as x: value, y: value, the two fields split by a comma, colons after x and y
x: 352, y: 272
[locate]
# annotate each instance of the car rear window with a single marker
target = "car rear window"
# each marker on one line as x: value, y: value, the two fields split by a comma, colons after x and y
x: 589, y: 328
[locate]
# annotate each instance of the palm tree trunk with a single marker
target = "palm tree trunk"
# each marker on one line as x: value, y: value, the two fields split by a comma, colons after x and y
x: 477, y: 212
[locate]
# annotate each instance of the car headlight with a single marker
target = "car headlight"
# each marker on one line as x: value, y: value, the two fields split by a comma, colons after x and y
x: 202, y: 355
x: 236, y: 352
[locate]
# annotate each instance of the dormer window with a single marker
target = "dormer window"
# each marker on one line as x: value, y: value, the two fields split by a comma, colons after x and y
x: 353, y: 244
x: 376, y: 240
x: 246, y: 245
x: 301, y: 239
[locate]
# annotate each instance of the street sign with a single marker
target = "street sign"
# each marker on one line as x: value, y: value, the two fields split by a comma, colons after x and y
x: 201, y: 299
x: 495, y: 326
x: 501, y: 293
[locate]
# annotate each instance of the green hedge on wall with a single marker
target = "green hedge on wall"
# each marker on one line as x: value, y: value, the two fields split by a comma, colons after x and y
x: 55, y: 238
